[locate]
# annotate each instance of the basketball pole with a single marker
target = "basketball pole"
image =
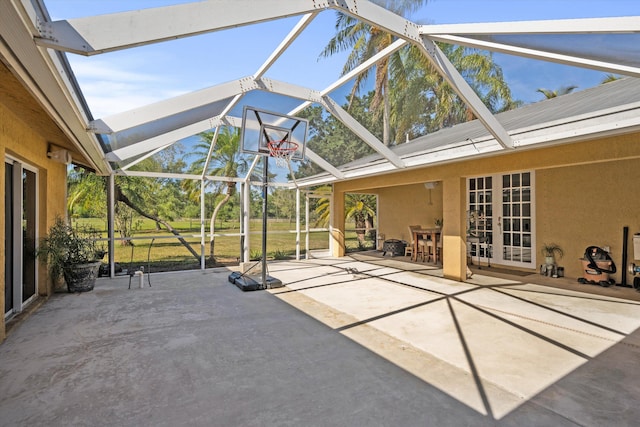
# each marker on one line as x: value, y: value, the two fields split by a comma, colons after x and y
x: 265, y: 193
x: 267, y: 134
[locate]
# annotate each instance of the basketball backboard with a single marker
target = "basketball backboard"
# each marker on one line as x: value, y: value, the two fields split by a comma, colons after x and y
x: 259, y: 127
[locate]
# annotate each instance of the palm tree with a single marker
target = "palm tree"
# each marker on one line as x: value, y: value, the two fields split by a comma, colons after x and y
x: 359, y: 207
x: 564, y: 90
x: 610, y: 78
x: 424, y: 102
x: 226, y: 161
x: 364, y: 41
x: 410, y: 94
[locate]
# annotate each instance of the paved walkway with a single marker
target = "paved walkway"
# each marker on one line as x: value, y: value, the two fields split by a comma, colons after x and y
x: 369, y: 342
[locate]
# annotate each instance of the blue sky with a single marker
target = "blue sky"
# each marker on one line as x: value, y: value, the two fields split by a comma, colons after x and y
x: 119, y: 81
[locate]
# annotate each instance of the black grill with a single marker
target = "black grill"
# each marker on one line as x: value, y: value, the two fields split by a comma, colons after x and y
x: 394, y: 246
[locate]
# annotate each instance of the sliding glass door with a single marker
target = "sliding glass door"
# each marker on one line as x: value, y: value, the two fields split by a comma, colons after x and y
x: 20, y: 235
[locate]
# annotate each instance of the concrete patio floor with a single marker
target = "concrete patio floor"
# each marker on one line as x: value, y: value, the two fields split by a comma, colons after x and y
x: 353, y: 341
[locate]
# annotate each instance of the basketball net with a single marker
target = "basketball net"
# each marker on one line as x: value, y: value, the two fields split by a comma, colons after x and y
x: 282, y: 151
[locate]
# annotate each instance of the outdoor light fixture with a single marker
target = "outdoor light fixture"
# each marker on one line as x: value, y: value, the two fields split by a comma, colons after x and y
x: 58, y: 154
x: 430, y: 186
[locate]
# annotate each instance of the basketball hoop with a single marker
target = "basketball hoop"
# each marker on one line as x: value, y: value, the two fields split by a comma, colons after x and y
x: 282, y: 151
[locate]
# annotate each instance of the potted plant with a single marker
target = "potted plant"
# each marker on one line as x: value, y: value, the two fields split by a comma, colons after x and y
x: 439, y: 222
x: 550, y: 250
x: 72, y: 253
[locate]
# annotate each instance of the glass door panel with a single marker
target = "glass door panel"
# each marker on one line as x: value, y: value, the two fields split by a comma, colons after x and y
x: 480, y: 207
x: 28, y: 234
x: 507, y: 236
x: 517, y: 220
x: 20, y: 236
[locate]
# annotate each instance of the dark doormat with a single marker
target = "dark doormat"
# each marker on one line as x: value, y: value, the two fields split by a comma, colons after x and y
x: 502, y: 271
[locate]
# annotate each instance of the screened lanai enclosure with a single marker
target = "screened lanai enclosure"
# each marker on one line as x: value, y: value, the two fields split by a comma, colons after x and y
x: 162, y: 89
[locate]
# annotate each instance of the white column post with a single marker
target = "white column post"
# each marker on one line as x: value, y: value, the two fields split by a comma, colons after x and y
x: 306, y: 226
x: 202, y: 227
x: 111, y: 202
x: 297, y: 224
x: 246, y: 220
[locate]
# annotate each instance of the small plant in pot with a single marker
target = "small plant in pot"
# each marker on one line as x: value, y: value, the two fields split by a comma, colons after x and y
x: 72, y: 253
x: 550, y: 251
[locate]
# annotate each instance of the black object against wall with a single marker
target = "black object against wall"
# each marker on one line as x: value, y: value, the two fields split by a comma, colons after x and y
x: 625, y: 247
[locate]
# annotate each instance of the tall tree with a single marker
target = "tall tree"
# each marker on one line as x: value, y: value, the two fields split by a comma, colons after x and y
x: 409, y: 94
x: 282, y: 203
x: 424, y: 102
x: 151, y: 198
x: 364, y: 41
x: 332, y: 140
x: 86, y: 194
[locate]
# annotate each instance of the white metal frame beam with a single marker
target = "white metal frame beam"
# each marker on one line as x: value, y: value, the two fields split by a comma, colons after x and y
x: 169, y: 138
x: 393, y: 47
x: 190, y: 126
x: 179, y: 105
x: 539, y: 54
x: 169, y: 175
x: 625, y: 24
x: 462, y: 88
x: 171, y: 106
x: 282, y: 47
x: 381, y: 17
x: 462, y: 34
x: 135, y: 28
x: 87, y: 36
x: 362, y: 132
x: 160, y: 142
x: 66, y: 35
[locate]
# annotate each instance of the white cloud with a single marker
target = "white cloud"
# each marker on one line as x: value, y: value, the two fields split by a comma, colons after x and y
x: 105, y: 70
x: 111, y: 87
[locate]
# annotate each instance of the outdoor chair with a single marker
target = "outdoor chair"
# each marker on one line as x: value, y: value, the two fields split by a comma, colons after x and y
x: 421, y: 244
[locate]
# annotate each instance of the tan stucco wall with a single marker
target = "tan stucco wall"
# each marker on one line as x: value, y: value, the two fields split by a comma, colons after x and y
x: 585, y: 194
x: 586, y: 205
x: 408, y: 205
x: 22, y: 139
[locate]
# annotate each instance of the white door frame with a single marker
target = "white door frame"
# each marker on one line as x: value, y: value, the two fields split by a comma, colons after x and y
x: 523, y: 255
x: 18, y: 241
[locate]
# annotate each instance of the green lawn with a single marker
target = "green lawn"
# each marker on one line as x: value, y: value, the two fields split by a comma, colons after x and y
x: 167, y: 253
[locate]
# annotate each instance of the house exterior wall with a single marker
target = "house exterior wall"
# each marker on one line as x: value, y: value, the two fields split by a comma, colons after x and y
x: 22, y: 125
x: 585, y: 193
x: 413, y: 206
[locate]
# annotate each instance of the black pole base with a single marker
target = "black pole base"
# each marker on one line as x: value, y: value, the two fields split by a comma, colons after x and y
x: 248, y: 283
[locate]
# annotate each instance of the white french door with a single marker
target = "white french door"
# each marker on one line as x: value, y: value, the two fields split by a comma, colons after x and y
x: 503, y: 208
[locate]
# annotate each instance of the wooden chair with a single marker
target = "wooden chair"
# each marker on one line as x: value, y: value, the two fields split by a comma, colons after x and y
x: 421, y: 242
x: 430, y: 250
x: 408, y: 250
